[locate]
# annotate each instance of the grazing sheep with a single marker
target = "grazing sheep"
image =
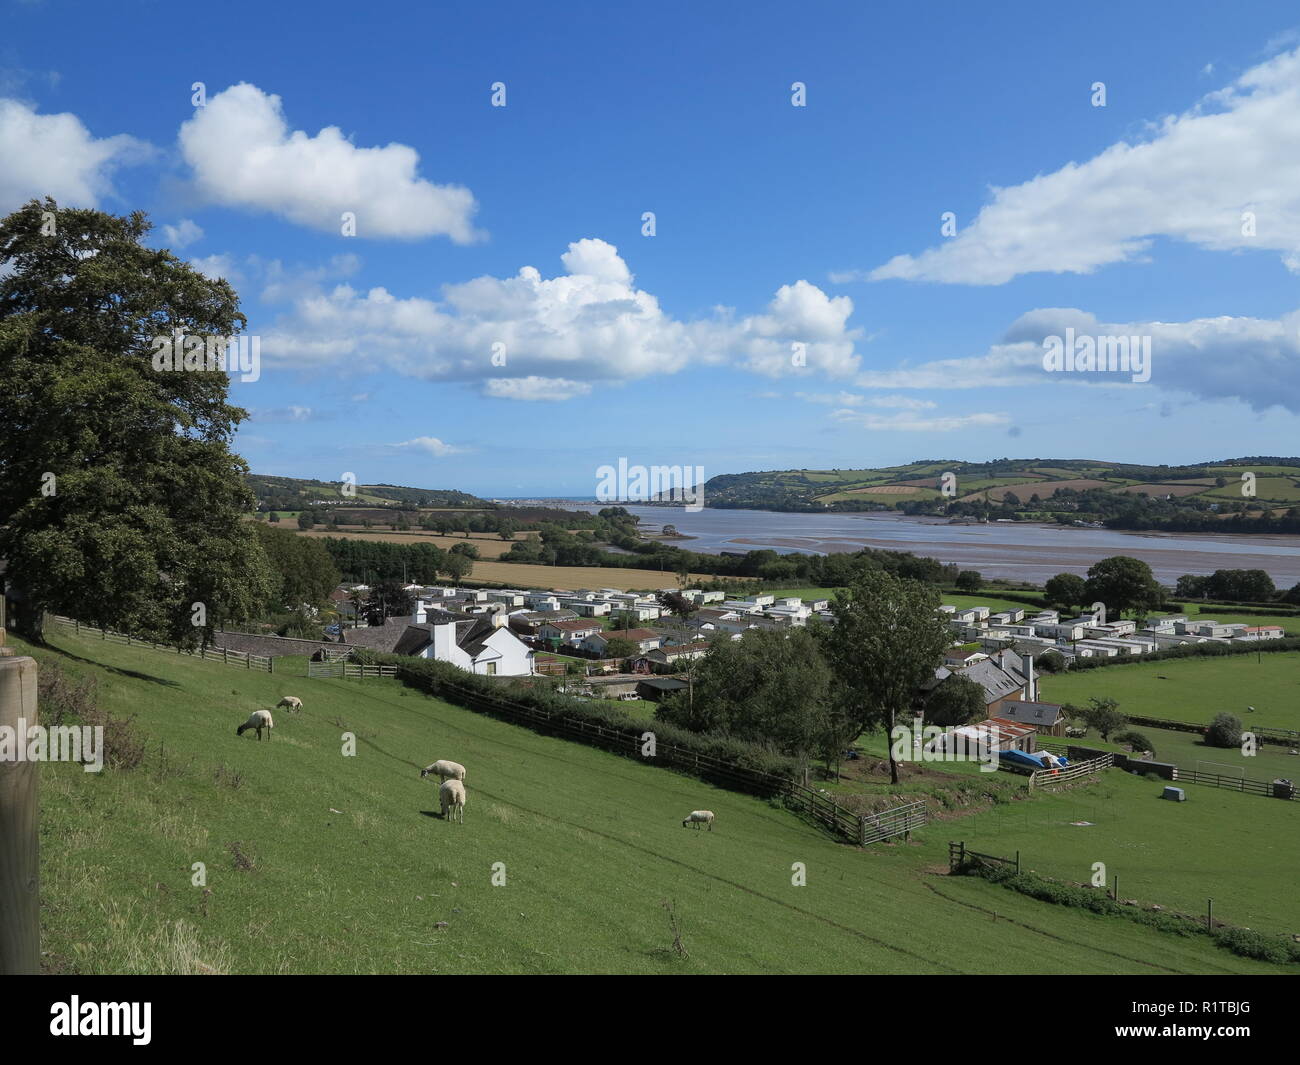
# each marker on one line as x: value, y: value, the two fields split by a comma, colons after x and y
x: 451, y: 795
x: 292, y: 702
x: 699, y: 817
x: 258, y: 719
x: 443, y: 769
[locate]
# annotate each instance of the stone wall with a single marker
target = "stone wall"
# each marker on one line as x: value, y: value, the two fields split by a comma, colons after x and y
x: 271, y: 646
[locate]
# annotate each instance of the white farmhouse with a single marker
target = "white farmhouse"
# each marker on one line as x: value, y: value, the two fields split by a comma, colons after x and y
x: 476, y: 645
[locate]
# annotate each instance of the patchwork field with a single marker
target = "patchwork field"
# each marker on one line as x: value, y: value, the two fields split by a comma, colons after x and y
x: 1284, y: 489
x: 526, y: 575
x: 1182, y: 488
x: 1043, y: 489
x: 488, y: 547
x: 316, y: 862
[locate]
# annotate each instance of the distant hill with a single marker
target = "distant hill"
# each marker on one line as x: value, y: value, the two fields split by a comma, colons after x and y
x: 295, y: 493
x: 1213, y: 485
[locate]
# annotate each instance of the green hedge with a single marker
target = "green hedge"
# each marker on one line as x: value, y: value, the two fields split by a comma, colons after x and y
x: 1193, y: 650
x: 445, y: 681
x: 1244, y: 942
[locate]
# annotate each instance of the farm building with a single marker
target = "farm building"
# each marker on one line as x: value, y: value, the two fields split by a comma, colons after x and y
x: 474, y: 644
x: 1046, y: 719
x: 656, y: 689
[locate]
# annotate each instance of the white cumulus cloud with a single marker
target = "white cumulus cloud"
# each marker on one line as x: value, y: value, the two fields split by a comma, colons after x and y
x: 909, y: 422
x: 244, y: 154
x: 535, y: 388
x: 431, y: 445
x: 534, y: 337
x: 1223, y: 175
x: 182, y: 233
x: 1251, y: 360
x: 55, y: 155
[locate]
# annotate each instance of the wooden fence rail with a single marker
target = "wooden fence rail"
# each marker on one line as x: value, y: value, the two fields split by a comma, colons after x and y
x: 352, y: 670
x: 1047, y: 778
x: 958, y: 856
x: 227, y: 657
x: 1278, y: 790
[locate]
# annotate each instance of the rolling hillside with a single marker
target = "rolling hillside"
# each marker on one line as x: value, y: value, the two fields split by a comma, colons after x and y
x: 295, y: 493
x: 318, y: 862
x: 1276, y: 482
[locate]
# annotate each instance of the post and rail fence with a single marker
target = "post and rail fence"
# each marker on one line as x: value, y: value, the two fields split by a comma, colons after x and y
x: 227, y: 657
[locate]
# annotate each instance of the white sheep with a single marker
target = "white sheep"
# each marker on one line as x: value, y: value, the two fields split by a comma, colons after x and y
x: 699, y: 817
x: 451, y: 795
x: 292, y: 702
x: 443, y: 769
x: 258, y: 719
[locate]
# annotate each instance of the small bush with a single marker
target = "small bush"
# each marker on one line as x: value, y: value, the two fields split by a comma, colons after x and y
x: 1224, y: 731
x: 61, y: 699
x: 1135, y: 740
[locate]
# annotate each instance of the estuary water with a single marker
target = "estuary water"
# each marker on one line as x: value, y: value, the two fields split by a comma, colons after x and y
x: 1014, y: 550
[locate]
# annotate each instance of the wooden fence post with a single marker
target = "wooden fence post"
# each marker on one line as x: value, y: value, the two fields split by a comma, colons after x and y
x: 20, y: 936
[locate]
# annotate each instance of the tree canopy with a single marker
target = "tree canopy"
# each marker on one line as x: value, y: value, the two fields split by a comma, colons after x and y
x: 885, y: 643
x: 120, y: 500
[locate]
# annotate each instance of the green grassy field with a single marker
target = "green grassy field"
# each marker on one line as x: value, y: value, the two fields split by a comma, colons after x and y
x: 318, y: 862
x: 1237, y: 849
x: 1189, y: 751
x: 1195, y: 689
x: 1281, y: 489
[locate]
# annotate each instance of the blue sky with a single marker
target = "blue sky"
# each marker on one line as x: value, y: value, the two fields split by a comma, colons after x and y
x: 775, y: 225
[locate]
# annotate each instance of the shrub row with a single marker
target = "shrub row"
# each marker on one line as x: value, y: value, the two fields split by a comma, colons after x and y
x: 1244, y: 942
x: 447, y: 682
x: 1194, y: 650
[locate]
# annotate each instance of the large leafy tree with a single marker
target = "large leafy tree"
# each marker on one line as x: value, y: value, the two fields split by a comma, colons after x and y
x: 1066, y: 590
x: 770, y: 686
x: 957, y: 700
x: 885, y: 643
x: 304, y: 572
x: 120, y: 500
x: 1124, y: 584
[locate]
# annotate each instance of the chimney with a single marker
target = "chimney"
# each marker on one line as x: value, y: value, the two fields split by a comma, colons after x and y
x: 1031, y: 683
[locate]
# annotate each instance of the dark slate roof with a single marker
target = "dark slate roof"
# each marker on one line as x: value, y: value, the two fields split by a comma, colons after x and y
x: 663, y: 684
x: 441, y: 617
x: 473, y: 636
x: 536, y: 617
x: 1026, y: 713
x: 382, y: 638
x: 414, y: 640
x: 997, y: 682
